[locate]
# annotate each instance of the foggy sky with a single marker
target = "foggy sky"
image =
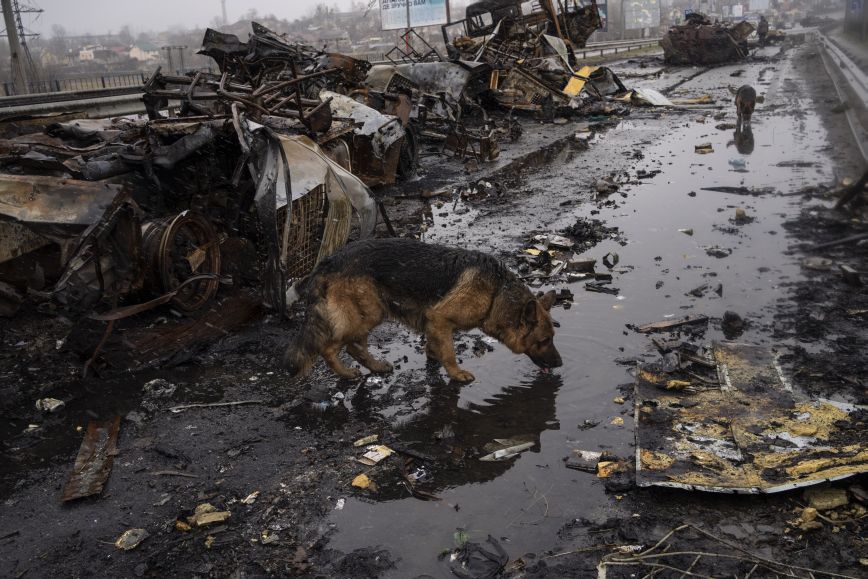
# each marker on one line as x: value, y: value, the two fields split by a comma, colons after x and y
x: 103, y: 16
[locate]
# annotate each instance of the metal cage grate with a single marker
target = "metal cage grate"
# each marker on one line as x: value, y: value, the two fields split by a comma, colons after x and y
x: 305, y: 233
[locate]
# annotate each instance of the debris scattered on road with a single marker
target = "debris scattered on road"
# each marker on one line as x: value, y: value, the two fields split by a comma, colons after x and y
x: 506, y: 448
x: 50, y: 405
x: 585, y: 460
x: 751, y: 434
x: 732, y: 324
x: 609, y: 468
x: 131, y: 538
x: 475, y: 561
x: 818, y: 263
x: 366, y: 440
x: 177, y: 409
x: 704, y: 148
x: 665, y: 325
x: 250, y: 499
x: 362, y: 481
x: 602, y: 288
x: 207, y: 514
x: 93, y: 464
x: 718, y: 252
x: 611, y: 259
x: 664, y: 554
x: 375, y: 454
x: 826, y: 499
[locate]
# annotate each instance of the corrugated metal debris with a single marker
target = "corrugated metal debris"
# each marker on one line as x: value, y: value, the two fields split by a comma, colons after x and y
x: 727, y: 421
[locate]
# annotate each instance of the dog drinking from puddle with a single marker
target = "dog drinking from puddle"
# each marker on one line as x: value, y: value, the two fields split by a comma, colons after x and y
x: 432, y: 289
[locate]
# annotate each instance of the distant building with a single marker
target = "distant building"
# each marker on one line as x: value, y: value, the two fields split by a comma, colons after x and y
x: 144, y: 51
x: 96, y: 52
x: 86, y: 53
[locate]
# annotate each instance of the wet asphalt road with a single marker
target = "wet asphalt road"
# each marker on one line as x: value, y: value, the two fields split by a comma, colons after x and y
x: 527, y: 502
x: 536, y: 495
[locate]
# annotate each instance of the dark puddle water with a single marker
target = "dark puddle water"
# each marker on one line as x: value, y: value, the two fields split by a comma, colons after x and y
x: 526, y: 500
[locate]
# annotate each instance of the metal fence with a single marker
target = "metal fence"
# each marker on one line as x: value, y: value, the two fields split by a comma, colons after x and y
x: 119, y: 80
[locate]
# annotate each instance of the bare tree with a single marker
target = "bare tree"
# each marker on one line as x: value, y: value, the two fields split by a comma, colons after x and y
x: 125, y: 35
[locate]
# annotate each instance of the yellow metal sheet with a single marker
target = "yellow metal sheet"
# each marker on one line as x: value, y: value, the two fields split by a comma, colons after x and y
x: 751, y: 435
x: 577, y: 82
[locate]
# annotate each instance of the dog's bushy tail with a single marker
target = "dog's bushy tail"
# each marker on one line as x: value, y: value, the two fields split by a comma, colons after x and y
x: 302, y: 351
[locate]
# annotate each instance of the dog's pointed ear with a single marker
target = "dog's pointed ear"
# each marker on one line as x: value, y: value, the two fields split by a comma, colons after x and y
x: 529, y: 314
x: 548, y: 300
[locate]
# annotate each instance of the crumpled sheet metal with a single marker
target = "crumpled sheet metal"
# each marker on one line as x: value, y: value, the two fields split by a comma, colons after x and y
x: 52, y: 207
x: 447, y: 78
x: 383, y: 130
x: 753, y: 435
x: 94, y: 461
x: 309, y: 167
x: 292, y: 166
x: 376, y: 143
x: 601, y: 79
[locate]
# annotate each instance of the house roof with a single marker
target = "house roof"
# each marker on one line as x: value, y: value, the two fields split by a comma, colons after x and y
x: 146, y: 46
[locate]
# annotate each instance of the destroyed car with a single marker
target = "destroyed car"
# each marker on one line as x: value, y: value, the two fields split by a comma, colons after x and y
x: 120, y: 217
x: 493, y: 29
x: 699, y: 41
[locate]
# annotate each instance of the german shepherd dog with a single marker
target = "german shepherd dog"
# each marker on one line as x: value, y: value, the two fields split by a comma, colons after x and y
x: 745, y: 103
x: 432, y: 289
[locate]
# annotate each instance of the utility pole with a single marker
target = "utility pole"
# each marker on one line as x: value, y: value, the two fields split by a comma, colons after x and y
x: 168, y: 50
x: 20, y: 77
x: 171, y: 61
x: 181, y: 50
x: 223, y: 7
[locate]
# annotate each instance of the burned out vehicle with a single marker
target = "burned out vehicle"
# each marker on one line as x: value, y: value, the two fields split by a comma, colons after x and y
x: 497, y: 29
x: 246, y: 177
x: 699, y: 41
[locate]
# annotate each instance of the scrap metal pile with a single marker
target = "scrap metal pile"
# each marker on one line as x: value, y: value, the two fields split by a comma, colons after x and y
x: 699, y: 41
x: 251, y: 175
x: 266, y: 161
x: 532, y: 66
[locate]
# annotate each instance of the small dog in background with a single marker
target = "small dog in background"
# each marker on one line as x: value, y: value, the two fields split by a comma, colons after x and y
x: 432, y: 289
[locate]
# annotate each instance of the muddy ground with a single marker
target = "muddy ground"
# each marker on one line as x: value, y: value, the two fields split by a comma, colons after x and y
x: 293, y: 442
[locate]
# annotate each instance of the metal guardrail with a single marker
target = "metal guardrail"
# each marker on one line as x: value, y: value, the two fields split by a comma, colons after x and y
x: 108, y: 96
x: 104, y: 81
x: 835, y: 60
x: 615, y: 46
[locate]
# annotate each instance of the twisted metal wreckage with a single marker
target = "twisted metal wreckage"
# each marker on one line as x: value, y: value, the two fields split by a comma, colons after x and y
x: 98, y: 211
x: 267, y: 161
x: 271, y: 157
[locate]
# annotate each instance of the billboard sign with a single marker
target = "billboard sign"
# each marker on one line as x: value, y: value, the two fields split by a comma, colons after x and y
x: 641, y: 14
x: 394, y: 14
x: 603, y: 9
